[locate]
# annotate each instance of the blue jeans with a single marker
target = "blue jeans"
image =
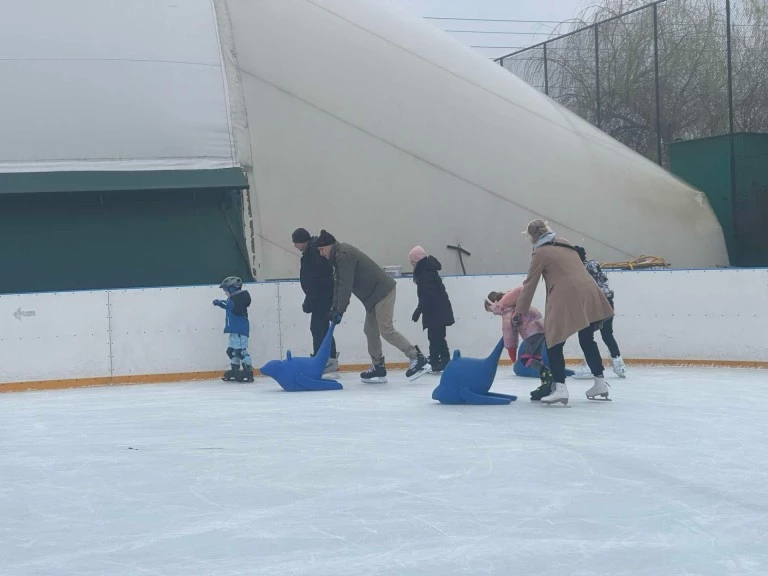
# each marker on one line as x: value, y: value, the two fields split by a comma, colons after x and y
x: 239, y: 344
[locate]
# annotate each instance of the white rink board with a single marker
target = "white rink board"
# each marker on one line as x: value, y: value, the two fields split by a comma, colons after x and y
x: 692, y: 314
x: 678, y: 315
x: 170, y: 330
x: 68, y: 336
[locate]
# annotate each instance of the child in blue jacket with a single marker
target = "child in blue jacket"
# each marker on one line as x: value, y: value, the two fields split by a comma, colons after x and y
x: 238, y: 327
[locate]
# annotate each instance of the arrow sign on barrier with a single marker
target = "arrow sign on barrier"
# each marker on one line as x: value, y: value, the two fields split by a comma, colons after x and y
x: 19, y: 314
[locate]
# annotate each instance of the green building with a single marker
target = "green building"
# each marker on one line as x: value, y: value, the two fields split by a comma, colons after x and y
x: 120, y: 229
x: 739, y: 199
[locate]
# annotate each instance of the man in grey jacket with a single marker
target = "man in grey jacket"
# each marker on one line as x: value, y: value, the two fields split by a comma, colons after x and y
x: 355, y: 273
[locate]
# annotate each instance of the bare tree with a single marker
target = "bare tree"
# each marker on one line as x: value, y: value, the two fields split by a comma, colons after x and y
x: 693, y: 73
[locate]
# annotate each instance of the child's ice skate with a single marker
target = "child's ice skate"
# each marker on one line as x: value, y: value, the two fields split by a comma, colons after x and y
x: 618, y: 367
x: 247, y: 374
x: 233, y: 374
x: 583, y: 372
x: 546, y: 384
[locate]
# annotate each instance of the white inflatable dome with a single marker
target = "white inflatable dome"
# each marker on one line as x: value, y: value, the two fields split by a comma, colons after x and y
x: 346, y: 115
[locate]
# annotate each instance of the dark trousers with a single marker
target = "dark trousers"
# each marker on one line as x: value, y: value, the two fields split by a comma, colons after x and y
x: 438, y: 346
x: 318, y: 325
x: 607, y: 333
x: 588, y: 347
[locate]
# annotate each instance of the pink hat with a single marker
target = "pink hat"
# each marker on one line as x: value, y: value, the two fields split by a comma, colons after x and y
x: 417, y: 254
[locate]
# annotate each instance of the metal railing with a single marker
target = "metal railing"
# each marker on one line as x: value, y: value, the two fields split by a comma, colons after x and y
x: 666, y: 71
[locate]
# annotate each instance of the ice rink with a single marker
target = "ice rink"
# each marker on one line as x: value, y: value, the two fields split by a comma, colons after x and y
x: 213, y: 478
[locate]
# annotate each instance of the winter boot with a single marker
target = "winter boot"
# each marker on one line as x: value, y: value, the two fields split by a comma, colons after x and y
x: 583, y: 372
x: 559, y: 394
x: 233, y: 374
x: 247, y: 374
x: 418, y: 367
x: 546, y: 384
x: 376, y: 374
x: 599, y: 390
x: 619, y: 368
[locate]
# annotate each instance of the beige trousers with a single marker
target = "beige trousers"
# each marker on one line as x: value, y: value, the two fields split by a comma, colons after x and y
x: 379, y: 324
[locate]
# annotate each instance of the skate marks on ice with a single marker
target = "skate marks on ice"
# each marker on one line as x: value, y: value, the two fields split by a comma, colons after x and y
x: 383, y: 480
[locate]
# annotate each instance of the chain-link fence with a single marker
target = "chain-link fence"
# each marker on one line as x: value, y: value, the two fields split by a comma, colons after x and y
x: 659, y: 75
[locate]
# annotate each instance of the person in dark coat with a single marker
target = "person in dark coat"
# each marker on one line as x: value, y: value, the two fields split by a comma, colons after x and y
x: 316, y: 277
x: 434, y: 306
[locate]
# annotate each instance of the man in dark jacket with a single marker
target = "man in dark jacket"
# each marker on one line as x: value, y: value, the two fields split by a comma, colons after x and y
x: 317, y: 283
x: 355, y: 273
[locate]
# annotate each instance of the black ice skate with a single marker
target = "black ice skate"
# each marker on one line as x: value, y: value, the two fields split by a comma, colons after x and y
x: 246, y: 375
x: 546, y: 384
x: 232, y: 375
x: 376, y: 374
x: 437, y: 365
x: 419, y: 366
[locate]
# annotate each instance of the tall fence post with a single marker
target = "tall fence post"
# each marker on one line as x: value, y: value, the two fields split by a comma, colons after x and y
x: 734, y: 204
x: 597, y: 74
x: 546, y: 71
x: 656, y: 77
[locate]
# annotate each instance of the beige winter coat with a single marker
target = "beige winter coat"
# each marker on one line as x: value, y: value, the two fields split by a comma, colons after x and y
x: 574, y: 301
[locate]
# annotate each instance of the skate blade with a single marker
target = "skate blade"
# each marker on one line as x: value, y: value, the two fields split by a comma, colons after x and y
x: 331, y: 375
x: 377, y: 380
x: 563, y: 401
x: 600, y: 398
x: 420, y: 373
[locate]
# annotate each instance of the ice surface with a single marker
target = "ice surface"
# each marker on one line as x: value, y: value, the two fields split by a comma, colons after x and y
x: 218, y: 479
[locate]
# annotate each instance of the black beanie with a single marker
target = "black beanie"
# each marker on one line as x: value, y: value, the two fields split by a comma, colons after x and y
x: 300, y: 235
x: 325, y: 239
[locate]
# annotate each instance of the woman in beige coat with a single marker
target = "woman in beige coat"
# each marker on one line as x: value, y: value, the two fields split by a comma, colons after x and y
x: 575, y: 304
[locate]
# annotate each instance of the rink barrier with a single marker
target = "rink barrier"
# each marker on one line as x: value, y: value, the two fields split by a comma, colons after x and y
x: 157, y: 335
x: 351, y: 368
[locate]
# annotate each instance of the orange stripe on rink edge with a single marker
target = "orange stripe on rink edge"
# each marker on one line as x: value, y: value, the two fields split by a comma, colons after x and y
x: 109, y: 381
x: 191, y: 376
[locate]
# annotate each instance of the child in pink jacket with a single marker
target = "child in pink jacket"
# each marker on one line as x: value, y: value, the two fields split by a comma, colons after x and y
x: 531, y: 326
x: 531, y: 329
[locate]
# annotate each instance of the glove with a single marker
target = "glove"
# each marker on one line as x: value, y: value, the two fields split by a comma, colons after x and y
x: 307, y: 306
x: 218, y: 303
x: 336, y: 317
x: 416, y: 315
x: 512, y: 354
x: 517, y: 320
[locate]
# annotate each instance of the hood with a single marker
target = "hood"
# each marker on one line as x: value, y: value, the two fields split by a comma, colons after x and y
x: 427, y: 264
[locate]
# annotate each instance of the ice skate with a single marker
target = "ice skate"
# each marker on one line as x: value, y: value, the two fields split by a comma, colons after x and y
x: 246, y: 375
x: 376, y: 374
x: 599, y: 390
x: 559, y: 395
x: 437, y: 364
x: 331, y: 370
x: 419, y: 366
x: 546, y: 385
x: 618, y: 367
x: 232, y: 374
x: 583, y: 372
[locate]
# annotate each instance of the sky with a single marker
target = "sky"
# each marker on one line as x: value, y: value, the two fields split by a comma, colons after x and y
x: 504, y: 37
